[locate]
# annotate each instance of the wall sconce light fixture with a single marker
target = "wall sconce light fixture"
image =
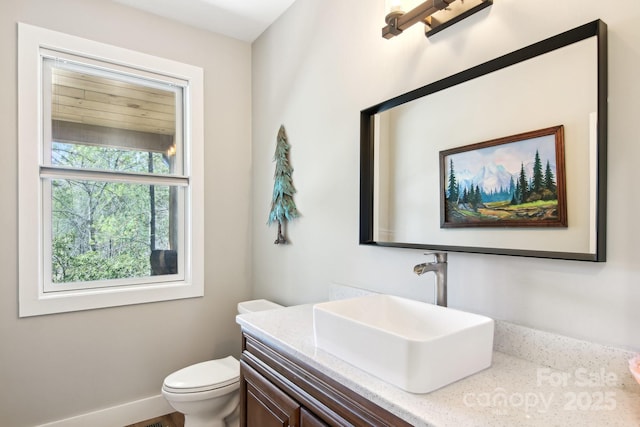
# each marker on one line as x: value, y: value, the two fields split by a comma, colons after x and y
x: 435, y: 14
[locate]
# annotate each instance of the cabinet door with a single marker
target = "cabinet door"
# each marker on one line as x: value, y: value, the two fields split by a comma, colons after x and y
x: 307, y: 419
x: 266, y: 404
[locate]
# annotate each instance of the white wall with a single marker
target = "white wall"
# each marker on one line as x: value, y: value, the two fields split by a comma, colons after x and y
x: 57, y: 366
x: 324, y: 61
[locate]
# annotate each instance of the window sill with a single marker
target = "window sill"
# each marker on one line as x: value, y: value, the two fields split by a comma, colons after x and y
x: 39, y: 303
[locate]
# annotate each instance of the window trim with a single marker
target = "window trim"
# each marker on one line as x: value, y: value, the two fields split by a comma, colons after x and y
x: 33, y: 44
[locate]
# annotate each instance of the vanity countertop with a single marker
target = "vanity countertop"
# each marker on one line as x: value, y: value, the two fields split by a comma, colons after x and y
x: 519, y: 389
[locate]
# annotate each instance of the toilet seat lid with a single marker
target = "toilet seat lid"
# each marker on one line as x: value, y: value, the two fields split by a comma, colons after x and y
x: 204, y: 376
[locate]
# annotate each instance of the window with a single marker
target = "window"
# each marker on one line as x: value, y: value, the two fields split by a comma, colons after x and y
x: 110, y: 175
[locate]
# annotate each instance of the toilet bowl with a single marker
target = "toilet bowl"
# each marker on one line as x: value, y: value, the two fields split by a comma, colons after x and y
x: 207, y: 393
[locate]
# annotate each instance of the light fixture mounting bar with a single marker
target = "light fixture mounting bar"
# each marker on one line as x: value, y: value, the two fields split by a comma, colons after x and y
x: 398, y: 22
x: 454, y: 11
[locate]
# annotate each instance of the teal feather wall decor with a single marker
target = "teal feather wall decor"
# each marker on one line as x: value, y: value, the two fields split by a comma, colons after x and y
x: 283, y: 208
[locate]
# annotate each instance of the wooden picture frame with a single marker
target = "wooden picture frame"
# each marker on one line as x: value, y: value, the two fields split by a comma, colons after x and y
x: 513, y: 181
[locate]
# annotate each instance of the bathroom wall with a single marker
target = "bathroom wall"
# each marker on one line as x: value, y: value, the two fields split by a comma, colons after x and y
x: 58, y: 366
x: 324, y: 61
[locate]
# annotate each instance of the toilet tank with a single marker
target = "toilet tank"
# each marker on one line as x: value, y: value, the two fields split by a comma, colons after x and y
x: 256, y: 305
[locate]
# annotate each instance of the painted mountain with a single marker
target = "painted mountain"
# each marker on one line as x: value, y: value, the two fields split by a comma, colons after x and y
x: 489, y: 178
x: 494, y: 181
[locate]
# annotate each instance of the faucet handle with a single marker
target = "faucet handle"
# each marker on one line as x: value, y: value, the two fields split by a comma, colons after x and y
x: 439, y: 256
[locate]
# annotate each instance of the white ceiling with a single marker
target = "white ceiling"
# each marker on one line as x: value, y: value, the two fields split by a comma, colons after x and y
x: 241, y: 19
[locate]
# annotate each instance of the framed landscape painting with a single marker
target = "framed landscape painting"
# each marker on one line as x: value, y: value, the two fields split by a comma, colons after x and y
x: 514, y: 181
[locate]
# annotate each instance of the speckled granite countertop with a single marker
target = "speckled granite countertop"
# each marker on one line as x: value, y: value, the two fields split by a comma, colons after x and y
x: 536, y: 379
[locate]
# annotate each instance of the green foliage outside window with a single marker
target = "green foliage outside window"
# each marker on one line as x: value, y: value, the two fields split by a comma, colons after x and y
x: 103, y: 230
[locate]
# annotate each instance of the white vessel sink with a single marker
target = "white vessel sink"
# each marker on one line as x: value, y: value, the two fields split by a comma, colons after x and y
x: 413, y: 345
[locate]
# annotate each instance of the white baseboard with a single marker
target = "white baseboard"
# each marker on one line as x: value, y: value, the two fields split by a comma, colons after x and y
x: 121, y: 415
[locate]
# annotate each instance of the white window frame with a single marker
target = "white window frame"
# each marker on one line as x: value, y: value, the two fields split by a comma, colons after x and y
x: 34, y: 44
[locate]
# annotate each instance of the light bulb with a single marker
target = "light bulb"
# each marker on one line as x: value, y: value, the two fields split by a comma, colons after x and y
x: 395, y: 6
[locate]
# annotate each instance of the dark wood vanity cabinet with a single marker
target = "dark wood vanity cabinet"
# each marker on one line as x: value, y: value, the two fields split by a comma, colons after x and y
x: 276, y: 390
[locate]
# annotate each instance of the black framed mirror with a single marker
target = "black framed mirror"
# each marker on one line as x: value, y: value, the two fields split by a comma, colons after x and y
x: 559, y: 81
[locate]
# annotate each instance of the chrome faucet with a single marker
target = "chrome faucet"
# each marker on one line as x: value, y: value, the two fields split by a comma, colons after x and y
x: 439, y: 267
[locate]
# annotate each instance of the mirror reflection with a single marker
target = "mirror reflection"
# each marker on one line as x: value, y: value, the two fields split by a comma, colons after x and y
x: 402, y: 139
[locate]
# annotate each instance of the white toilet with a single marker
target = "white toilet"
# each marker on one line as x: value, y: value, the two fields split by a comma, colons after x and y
x: 207, y: 393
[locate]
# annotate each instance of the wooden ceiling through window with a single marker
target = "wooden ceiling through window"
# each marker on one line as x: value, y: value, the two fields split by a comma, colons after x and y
x: 99, y: 110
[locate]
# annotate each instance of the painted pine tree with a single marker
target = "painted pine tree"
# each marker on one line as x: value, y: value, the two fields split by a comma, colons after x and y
x: 283, y: 208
